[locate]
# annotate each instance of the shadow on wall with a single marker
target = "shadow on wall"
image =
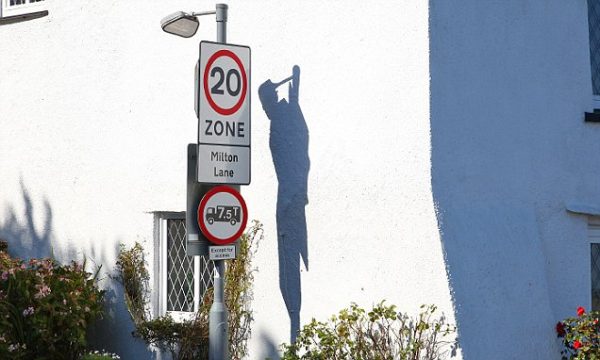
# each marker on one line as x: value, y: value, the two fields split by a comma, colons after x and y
x: 24, y: 239
x: 270, y: 351
x: 113, y: 332
x: 288, y: 142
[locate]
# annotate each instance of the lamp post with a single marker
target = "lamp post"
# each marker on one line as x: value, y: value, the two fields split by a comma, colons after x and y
x: 185, y: 25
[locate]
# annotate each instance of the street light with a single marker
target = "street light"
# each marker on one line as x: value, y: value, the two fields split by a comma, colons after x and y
x: 185, y: 25
x: 180, y: 24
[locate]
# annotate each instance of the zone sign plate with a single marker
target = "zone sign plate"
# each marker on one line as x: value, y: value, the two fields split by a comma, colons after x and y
x: 223, y: 113
x: 222, y: 215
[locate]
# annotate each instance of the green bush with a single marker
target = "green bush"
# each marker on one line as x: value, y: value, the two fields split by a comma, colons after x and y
x: 380, y: 334
x: 46, y: 308
x: 580, y: 335
x: 189, y: 339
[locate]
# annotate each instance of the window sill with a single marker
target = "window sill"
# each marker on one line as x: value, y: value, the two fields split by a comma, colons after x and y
x: 593, y: 117
x: 584, y: 209
x: 181, y: 316
x: 23, y: 17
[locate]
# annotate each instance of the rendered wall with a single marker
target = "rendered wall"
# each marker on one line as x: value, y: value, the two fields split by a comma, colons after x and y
x: 510, y: 82
x: 96, y: 110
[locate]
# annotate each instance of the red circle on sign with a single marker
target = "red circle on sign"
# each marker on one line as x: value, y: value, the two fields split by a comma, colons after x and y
x: 202, y: 206
x: 213, y: 104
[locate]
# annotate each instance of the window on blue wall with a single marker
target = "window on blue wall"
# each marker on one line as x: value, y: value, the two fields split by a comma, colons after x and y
x: 594, y: 237
x: 183, y: 279
x: 595, y: 252
x: 594, y: 27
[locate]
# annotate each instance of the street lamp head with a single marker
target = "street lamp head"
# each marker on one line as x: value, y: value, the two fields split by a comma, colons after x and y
x: 180, y: 24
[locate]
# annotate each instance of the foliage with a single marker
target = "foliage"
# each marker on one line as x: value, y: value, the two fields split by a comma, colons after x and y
x: 132, y: 273
x: 46, y: 308
x: 380, y: 334
x: 189, y: 339
x: 186, y: 339
x: 580, y: 335
x: 238, y: 293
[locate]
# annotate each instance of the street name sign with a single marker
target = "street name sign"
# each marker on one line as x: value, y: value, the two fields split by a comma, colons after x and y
x: 223, y: 114
x: 222, y: 215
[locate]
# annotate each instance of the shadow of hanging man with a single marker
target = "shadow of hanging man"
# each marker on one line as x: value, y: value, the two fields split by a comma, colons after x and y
x: 288, y: 142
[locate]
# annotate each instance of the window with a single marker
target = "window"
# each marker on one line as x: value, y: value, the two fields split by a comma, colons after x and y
x: 20, y: 7
x: 594, y: 236
x: 13, y: 3
x: 182, y: 280
x: 594, y: 29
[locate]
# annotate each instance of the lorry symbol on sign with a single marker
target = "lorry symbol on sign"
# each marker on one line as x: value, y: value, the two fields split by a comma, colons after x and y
x: 231, y: 214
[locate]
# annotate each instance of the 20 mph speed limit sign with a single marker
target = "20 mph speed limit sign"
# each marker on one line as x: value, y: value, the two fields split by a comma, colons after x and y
x: 223, y: 114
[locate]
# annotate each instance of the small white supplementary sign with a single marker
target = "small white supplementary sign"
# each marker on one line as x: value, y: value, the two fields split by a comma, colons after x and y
x: 221, y: 252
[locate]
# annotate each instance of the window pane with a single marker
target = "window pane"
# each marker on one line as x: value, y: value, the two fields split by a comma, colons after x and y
x: 180, y: 269
x: 207, y: 268
x: 595, y: 276
x: 594, y: 25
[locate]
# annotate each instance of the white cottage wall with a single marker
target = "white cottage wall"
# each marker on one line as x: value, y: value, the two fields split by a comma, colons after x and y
x: 96, y: 110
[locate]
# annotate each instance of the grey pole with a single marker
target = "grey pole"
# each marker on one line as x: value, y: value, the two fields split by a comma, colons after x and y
x: 218, y: 338
x: 222, y: 23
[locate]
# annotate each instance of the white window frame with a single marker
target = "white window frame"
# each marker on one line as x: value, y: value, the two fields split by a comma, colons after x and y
x: 593, y: 231
x: 160, y: 269
x: 27, y: 8
x: 595, y: 98
x: 596, y: 101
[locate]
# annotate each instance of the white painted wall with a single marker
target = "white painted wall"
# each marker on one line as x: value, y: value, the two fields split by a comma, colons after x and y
x: 510, y: 84
x: 96, y: 109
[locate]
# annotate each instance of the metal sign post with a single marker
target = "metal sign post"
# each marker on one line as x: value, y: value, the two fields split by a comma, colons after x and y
x: 221, y: 156
x: 218, y: 347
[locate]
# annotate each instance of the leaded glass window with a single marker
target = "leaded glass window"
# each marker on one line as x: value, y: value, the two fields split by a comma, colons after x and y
x: 22, y: 2
x: 594, y: 27
x: 595, y: 252
x: 180, y: 269
x: 185, y: 278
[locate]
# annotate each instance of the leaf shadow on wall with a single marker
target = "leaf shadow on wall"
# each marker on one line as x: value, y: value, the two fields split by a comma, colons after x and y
x: 27, y: 239
x: 21, y: 233
x: 288, y: 142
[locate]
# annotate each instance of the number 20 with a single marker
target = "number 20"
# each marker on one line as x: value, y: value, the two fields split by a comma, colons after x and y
x: 216, y: 89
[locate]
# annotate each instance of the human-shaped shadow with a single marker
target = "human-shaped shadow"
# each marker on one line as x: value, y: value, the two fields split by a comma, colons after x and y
x: 289, y: 148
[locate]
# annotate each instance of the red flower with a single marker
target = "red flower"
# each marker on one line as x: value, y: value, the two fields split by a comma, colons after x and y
x: 576, y: 344
x: 560, y: 329
x: 580, y: 311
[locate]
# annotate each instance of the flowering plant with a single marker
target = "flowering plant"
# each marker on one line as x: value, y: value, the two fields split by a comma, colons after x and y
x: 45, y: 308
x: 580, y: 335
x: 381, y: 333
